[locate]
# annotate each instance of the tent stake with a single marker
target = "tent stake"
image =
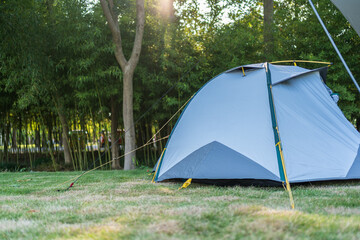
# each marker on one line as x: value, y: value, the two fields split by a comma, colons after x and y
x: 334, y: 45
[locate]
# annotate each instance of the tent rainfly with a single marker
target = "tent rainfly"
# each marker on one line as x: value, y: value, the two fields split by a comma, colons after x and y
x: 262, y: 123
x: 350, y: 9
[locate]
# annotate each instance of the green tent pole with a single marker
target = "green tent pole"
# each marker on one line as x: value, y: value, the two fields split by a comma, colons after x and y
x: 278, y: 146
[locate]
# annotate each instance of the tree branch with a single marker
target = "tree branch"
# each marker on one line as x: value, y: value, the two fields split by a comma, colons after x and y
x: 111, y: 18
x: 140, y: 22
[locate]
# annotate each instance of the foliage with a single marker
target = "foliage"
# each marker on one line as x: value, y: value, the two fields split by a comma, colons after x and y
x: 59, y: 54
x: 299, y: 35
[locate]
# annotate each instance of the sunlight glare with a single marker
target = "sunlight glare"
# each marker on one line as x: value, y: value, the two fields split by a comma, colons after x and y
x: 166, y: 8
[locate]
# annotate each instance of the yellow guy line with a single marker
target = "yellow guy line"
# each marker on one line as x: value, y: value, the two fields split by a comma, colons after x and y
x: 171, y: 118
x: 286, y: 179
x: 147, y: 143
x: 153, y: 180
x: 125, y: 154
x: 113, y: 160
x: 288, y: 188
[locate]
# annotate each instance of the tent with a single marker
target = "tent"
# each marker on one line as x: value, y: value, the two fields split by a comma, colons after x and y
x: 261, y: 123
x: 350, y: 9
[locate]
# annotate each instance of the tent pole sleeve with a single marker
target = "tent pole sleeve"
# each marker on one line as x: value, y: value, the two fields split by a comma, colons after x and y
x: 278, y: 146
x: 274, y: 123
x: 156, y: 174
x: 334, y: 45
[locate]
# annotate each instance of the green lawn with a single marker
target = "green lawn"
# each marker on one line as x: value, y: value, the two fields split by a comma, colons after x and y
x: 126, y: 205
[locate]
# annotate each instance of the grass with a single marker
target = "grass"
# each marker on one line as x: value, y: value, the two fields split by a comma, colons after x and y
x: 126, y: 205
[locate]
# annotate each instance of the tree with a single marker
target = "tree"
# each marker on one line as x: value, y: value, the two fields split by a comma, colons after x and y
x: 98, y: 75
x: 268, y: 29
x: 128, y: 68
x: 65, y: 25
x: 41, y: 52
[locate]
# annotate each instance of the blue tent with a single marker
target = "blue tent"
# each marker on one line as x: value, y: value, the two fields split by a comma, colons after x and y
x: 262, y: 122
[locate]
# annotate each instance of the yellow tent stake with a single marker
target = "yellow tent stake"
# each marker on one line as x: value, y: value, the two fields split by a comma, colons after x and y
x: 186, y: 184
x: 288, y: 188
x: 153, y: 180
x: 147, y: 143
x: 157, y: 167
x: 243, y: 71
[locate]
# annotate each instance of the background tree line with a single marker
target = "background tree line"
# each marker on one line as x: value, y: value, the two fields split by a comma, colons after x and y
x: 61, y: 85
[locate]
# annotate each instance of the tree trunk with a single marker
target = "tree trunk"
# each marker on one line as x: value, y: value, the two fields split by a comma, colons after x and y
x: 268, y: 29
x: 114, y: 134
x: 3, y: 140
x: 6, y: 140
x: 43, y: 139
x: 50, y: 134
x: 14, y: 138
x: 65, y: 138
x: 128, y: 115
x: 37, y: 137
x: 127, y: 68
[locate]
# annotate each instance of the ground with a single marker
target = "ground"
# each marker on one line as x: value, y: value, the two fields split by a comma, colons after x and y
x: 126, y: 205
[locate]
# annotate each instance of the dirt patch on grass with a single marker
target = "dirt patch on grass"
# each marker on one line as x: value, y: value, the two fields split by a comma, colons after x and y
x: 161, y: 210
x: 14, y: 225
x: 111, y: 230
x: 58, y: 208
x: 122, y: 191
x: 186, y: 210
x: 275, y: 212
x: 131, y: 184
x: 256, y: 210
x: 261, y: 219
x: 133, y: 212
x: 269, y: 226
x: 8, y: 208
x: 45, y: 198
x: 108, y: 227
x: 148, y: 199
x: 165, y: 190
x: 9, y: 198
x: 142, y: 198
x: 169, y: 227
x: 93, y: 198
x: 221, y: 198
x: 174, y: 199
x: 126, y: 188
x: 342, y: 210
x: 237, y: 209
